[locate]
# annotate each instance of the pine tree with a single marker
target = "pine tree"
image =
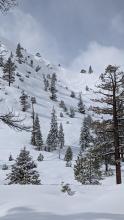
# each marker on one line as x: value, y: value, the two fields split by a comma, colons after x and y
x: 62, y: 105
x: 37, y: 69
x: 68, y: 155
x: 103, y: 144
x: 85, y: 136
x: 24, y: 102
x: 52, y: 139
x: 53, y: 87
x: 1, y: 61
x: 111, y: 93
x: 90, y: 70
x: 87, y: 169
x: 72, y: 94
x: 9, y: 71
x: 46, y: 83
x: 23, y: 171
x: 61, y: 115
x: 61, y: 140
x: 72, y: 112
x: 11, y: 157
x: 19, y: 53
x: 33, y: 100
x: 81, y: 107
x: 87, y: 88
x: 38, y: 135
x: 31, y: 63
x: 40, y: 157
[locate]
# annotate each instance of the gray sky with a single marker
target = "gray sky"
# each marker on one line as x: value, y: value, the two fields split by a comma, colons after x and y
x: 66, y: 31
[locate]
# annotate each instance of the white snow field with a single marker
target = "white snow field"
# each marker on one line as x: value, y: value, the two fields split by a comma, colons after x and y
x: 47, y: 202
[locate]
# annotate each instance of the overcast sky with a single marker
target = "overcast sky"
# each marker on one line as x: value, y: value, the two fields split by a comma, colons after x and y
x: 70, y: 32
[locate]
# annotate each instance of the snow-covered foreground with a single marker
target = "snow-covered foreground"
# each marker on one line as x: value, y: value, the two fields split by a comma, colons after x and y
x: 102, y: 202
x: 48, y: 202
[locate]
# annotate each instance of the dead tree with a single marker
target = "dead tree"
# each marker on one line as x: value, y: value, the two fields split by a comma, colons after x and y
x: 14, y: 121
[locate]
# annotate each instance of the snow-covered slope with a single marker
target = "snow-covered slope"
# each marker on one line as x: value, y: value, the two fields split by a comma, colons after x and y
x: 31, y: 82
x: 47, y: 201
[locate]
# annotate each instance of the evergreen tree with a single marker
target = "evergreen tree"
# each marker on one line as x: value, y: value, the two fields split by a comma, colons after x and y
x: 90, y: 69
x: 81, y: 107
x: 33, y: 100
x: 62, y: 105
x: 37, y: 69
x: 103, y: 144
x: 9, y: 71
x: 11, y: 157
x: 38, y: 135
x: 52, y: 139
x: 85, y: 136
x: 11, y: 55
x: 19, y: 53
x: 40, y: 157
x: 68, y: 155
x: 61, y: 140
x: 87, y: 88
x: 87, y: 169
x: 46, y: 83
x: 110, y: 99
x: 24, y: 102
x: 72, y: 112
x: 1, y: 61
x: 72, y: 94
x: 23, y: 171
x: 61, y: 115
x: 31, y: 63
x: 53, y: 87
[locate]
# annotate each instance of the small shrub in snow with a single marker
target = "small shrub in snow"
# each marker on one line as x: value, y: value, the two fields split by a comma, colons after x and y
x: 67, y: 189
x: 4, y: 167
x: 67, y: 122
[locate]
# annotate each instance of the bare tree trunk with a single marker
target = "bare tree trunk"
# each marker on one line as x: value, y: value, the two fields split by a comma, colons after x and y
x: 9, y: 77
x: 116, y: 140
x: 106, y: 165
